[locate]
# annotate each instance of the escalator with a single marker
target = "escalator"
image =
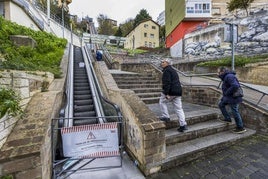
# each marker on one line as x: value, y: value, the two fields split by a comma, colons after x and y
x: 83, y: 107
x: 80, y: 135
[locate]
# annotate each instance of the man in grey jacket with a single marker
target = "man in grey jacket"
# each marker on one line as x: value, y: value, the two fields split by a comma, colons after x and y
x: 171, y: 92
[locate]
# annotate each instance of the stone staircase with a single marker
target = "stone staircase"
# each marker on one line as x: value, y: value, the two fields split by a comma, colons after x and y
x: 206, y: 133
x: 145, y: 86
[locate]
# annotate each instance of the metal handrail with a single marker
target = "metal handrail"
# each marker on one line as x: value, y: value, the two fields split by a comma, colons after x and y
x: 209, y: 76
x: 100, y: 94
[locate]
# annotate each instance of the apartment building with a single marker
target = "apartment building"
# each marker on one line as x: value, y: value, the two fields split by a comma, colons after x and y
x: 144, y: 35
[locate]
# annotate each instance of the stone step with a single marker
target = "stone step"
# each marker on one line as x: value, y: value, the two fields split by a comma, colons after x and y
x: 129, y: 75
x: 194, y: 117
x: 147, y: 90
x: 138, y: 81
x: 148, y: 95
x: 150, y: 100
x: 131, y: 78
x: 190, y: 150
x: 197, y: 130
x: 133, y: 86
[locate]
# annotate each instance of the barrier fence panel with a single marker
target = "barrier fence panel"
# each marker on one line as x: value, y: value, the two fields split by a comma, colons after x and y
x: 85, y: 147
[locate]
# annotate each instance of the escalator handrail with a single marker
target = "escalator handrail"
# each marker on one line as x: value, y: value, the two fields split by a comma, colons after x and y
x: 69, y: 90
x: 117, y: 109
x: 95, y: 96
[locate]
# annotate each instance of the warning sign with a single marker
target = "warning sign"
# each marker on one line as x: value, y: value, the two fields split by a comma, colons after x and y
x: 97, y: 140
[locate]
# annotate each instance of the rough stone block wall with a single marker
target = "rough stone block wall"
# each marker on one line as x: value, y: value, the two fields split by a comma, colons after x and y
x: 253, y: 117
x: 6, y: 125
x: 26, y: 85
x: 143, y: 68
x: 201, y: 95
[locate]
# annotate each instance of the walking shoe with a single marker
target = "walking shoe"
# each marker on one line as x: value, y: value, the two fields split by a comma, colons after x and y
x: 225, y: 120
x: 239, y: 130
x: 182, y: 128
x: 165, y: 119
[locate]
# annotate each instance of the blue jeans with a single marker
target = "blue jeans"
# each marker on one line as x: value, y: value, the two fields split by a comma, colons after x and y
x: 235, y: 112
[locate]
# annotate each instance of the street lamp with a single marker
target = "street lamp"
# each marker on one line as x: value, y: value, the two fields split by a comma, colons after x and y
x: 62, y: 17
x: 230, y: 35
x: 48, y: 15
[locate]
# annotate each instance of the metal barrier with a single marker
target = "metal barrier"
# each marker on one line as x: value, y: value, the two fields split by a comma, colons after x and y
x: 85, y: 147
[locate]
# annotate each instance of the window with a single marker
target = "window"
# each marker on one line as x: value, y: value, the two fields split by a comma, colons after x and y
x: 150, y: 44
x: 153, y: 27
x: 145, y: 34
x: 216, y: 11
x: 151, y: 35
x: 201, y: 8
x: 145, y: 43
x: 206, y: 8
x: 146, y: 26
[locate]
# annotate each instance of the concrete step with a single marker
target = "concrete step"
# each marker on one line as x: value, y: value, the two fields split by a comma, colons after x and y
x: 132, y: 78
x: 138, y: 81
x: 194, y: 117
x: 134, y: 86
x: 131, y: 75
x: 147, y: 90
x: 197, y: 130
x: 148, y: 95
x: 190, y: 150
x: 150, y: 100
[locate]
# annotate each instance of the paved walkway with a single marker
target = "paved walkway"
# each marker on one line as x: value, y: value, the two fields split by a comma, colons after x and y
x: 248, y: 159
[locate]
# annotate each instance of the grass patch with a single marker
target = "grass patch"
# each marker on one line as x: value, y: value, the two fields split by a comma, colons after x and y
x: 45, y: 56
x: 240, y: 61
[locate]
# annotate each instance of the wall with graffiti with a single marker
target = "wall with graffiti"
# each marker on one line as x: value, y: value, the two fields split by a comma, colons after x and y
x: 252, y: 38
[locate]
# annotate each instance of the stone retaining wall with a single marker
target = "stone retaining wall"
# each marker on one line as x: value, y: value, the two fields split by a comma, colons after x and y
x: 27, y: 150
x: 253, y: 117
x: 141, y: 126
x: 26, y: 85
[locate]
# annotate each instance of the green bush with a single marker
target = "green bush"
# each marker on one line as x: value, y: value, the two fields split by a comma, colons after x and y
x: 46, y: 56
x: 10, y: 102
x: 240, y: 61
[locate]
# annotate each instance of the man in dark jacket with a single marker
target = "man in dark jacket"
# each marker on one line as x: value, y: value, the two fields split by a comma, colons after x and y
x: 229, y: 85
x: 171, y: 92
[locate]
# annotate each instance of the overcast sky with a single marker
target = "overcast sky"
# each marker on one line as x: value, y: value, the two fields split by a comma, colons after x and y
x: 119, y: 10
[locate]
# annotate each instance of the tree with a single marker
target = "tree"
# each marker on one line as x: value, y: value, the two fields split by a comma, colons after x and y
x: 126, y: 27
x: 143, y: 14
x: 105, y: 25
x: 119, y: 32
x: 162, y: 36
x: 238, y: 4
